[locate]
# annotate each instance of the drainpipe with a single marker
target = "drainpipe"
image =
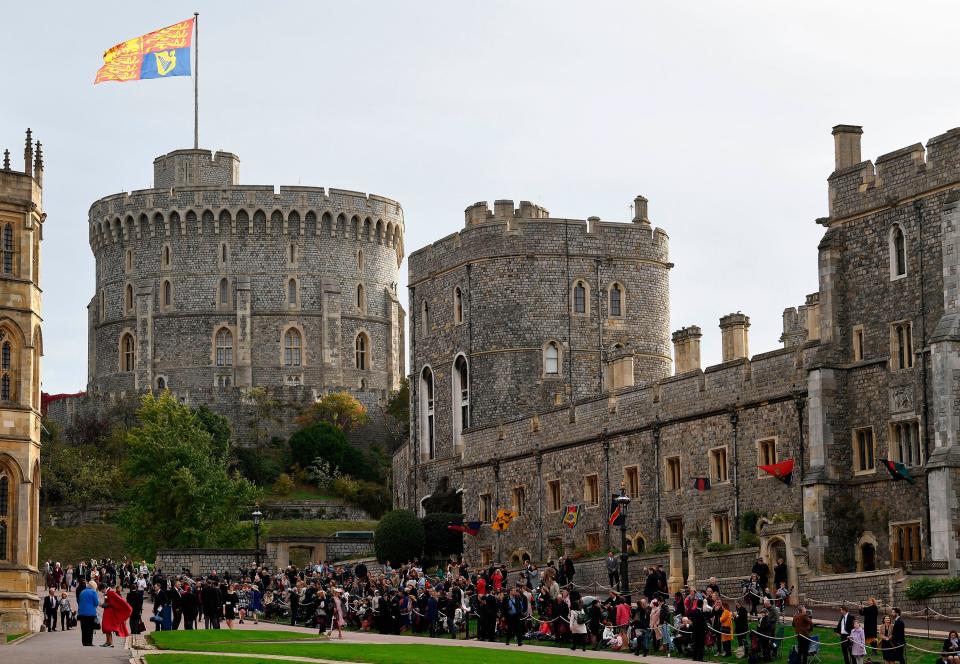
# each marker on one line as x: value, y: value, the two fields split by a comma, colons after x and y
x: 924, y: 407
x: 540, y: 502
x: 599, y: 328
x: 566, y: 249
x: 606, y: 478
x: 656, y: 475
x: 734, y: 419
x: 414, y: 386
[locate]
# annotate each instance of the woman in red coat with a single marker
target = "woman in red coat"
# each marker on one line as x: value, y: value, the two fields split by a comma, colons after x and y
x: 116, y: 612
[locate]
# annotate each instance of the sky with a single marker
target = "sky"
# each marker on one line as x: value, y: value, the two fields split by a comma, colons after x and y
x: 718, y: 112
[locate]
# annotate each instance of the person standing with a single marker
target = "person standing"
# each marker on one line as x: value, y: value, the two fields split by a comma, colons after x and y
x: 858, y: 643
x: 844, y: 628
x: 578, y: 626
x: 50, y: 604
x: 802, y: 625
x: 870, y: 612
x: 885, y: 634
x: 613, y: 570
x: 726, y: 626
x: 210, y: 600
x: 762, y: 570
x: 87, y: 612
x: 230, y: 601
x: 899, y: 637
x: 698, y: 631
x: 175, y: 595
x: 338, y: 612
x: 514, y: 612
x: 293, y: 595
x: 65, y: 610
x: 116, y: 612
x: 135, y: 600
x: 189, y: 606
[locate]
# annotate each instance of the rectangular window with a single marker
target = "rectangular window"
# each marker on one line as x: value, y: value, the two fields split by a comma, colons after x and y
x: 591, y: 490
x: 553, y: 496
x: 632, y: 480
x: 593, y: 541
x: 766, y: 455
x: 676, y: 525
x: 672, y: 471
x: 858, y: 343
x: 721, y: 528
x: 718, y: 464
x: 486, y: 557
x: 486, y: 508
x: 519, y: 498
x: 901, y: 345
x: 864, y: 453
x: 905, y: 542
x: 905, y: 442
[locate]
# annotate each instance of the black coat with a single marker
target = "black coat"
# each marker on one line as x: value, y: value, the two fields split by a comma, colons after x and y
x: 189, y: 605
x: 847, y: 621
x: 899, y: 637
x: 870, y: 614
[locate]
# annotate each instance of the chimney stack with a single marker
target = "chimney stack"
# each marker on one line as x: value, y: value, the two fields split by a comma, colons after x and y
x: 846, y: 144
x: 733, y: 330
x: 686, y: 349
x: 640, y: 210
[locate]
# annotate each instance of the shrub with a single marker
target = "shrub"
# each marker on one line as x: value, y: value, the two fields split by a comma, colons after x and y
x: 717, y: 547
x: 260, y: 469
x: 438, y: 540
x: 749, y: 539
x: 284, y: 485
x: 374, y: 498
x: 924, y: 588
x: 748, y: 521
x: 327, y: 442
x: 345, y: 487
x: 398, y: 537
x: 660, y: 546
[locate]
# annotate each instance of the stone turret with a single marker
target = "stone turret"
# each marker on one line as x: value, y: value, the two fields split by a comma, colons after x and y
x: 846, y: 144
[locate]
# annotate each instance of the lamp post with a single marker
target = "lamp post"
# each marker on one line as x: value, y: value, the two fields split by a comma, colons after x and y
x: 257, y: 514
x: 623, y: 500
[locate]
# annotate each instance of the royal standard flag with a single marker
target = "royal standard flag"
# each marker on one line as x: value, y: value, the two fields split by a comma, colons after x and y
x: 571, y: 516
x: 502, y: 522
x: 159, y: 54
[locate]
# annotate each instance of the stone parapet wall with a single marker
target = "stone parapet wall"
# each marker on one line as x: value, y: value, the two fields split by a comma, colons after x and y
x: 858, y: 587
x: 313, y: 509
x: 203, y: 561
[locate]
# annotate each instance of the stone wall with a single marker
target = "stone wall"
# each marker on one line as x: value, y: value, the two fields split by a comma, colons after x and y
x: 203, y: 561
x: 313, y: 509
x: 591, y: 573
x: 68, y: 516
x: 729, y: 567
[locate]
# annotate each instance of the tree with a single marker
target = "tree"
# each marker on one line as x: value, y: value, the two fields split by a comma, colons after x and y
x: 179, y: 494
x: 341, y: 409
x: 266, y: 410
x: 219, y: 429
x: 323, y: 440
x: 398, y: 410
x: 398, y: 537
x: 438, y: 540
x: 79, y: 474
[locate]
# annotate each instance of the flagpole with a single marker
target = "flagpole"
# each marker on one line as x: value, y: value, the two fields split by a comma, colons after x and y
x: 196, y: 75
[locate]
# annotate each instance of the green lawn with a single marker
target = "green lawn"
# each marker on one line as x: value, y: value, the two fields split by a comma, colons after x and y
x: 185, y: 640
x: 211, y: 659
x: 14, y: 637
x: 314, y: 527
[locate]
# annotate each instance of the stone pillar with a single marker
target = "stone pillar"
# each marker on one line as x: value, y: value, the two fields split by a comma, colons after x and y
x: 822, y: 391
x: 846, y: 145
x: 93, y: 319
x: 943, y: 466
x: 675, y: 581
x: 143, y: 374
x: 733, y: 329
x: 691, y: 561
x: 243, y: 370
x: 394, y: 357
x: 332, y: 370
x: 686, y: 349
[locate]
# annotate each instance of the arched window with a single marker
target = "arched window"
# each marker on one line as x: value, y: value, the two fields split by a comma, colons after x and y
x: 224, y: 347
x: 551, y: 358
x: 6, y: 515
x: 128, y: 299
x: 360, y: 260
x: 292, y: 292
x: 616, y: 300
x: 224, y: 292
x: 898, y: 252
x: 361, y: 298
x: 129, y: 259
x: 425, y: 319
x: 579, y: 298
x: 292, y: 345
x: 8, y: 249
x: 457, y: 305
x: 161, y: 383
x: 223, y: 253
x: 128, y: 353
x: 167, y: 293
x: 426, y: 414
x: 166, y: 256
x: 293, y: 253
x: 461, y: 399
x: 361, y: 351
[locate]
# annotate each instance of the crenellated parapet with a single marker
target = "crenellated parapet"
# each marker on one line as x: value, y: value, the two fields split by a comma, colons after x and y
x: 859, y: 187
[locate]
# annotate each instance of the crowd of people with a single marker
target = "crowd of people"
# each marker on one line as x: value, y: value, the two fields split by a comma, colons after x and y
x: 539, y: 604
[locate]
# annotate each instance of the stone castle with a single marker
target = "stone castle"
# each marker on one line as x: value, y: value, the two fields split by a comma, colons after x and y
x: 21, y: 345
x: 207, y: 287
x: 540, y: 378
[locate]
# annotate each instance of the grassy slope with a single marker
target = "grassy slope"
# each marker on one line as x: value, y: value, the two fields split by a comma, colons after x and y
x: 69, y: 545
x: 211, y: 659
x: 178, y: 640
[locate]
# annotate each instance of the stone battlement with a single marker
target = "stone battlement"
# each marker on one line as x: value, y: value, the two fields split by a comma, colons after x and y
x: 779, y: 374
x: 856, y: 186
x: 530, y: 231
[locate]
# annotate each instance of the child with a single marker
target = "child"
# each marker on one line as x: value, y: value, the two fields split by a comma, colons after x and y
x: 859, y: 642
